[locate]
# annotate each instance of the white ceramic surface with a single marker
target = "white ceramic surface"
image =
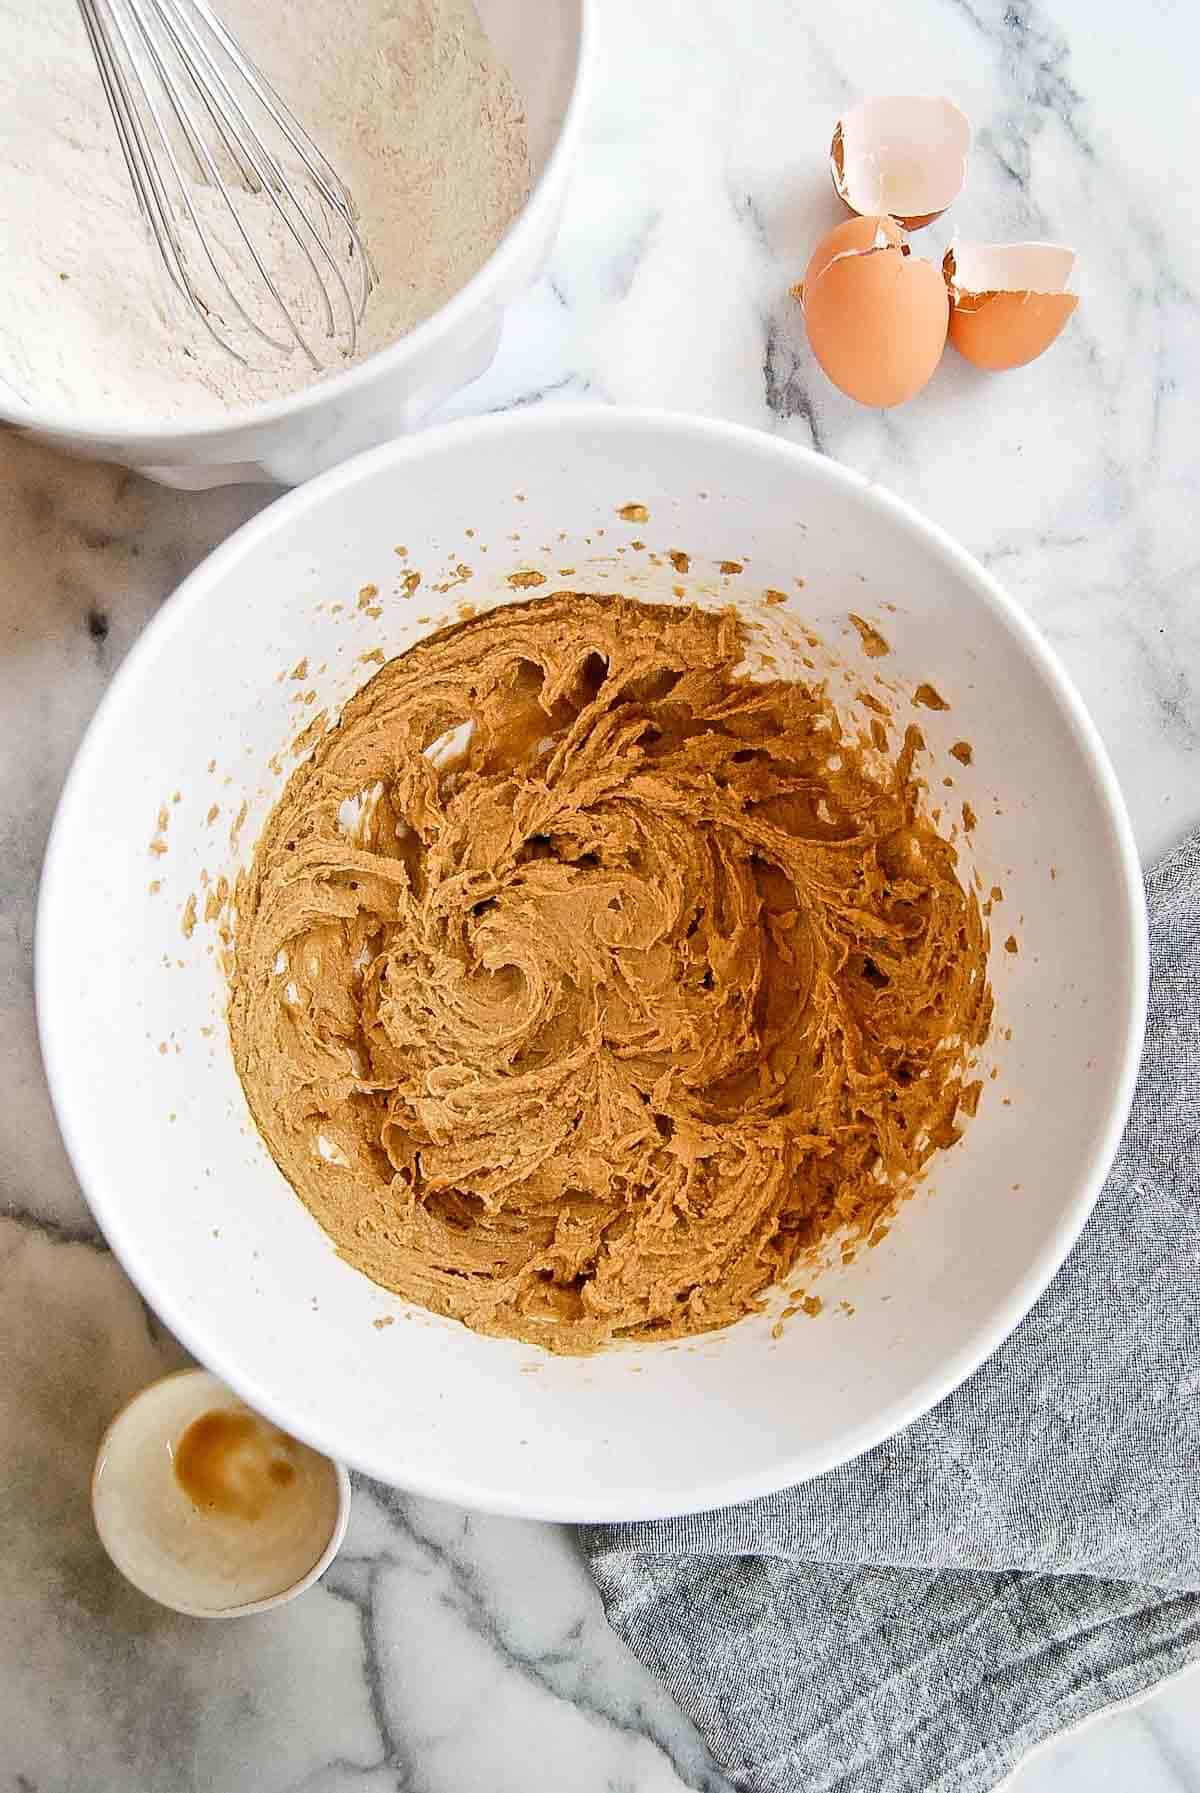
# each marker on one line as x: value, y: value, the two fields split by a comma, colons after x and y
x: 144, y: 1520
x: 390, y: 393
x: 151, y: 1108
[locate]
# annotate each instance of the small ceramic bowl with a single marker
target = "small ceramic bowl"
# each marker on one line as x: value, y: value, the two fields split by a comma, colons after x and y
x: 209, y: 1509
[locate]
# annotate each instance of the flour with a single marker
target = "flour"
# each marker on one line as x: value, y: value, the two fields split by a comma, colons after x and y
x: 405, y: 97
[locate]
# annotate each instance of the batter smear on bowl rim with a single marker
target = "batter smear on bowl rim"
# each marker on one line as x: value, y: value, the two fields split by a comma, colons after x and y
x: 583, y: 986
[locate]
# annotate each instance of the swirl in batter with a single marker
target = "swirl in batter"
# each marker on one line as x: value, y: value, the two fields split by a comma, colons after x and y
x: 591, y: 1025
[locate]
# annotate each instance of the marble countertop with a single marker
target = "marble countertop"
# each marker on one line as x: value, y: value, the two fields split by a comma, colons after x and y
x: 446, y: 1651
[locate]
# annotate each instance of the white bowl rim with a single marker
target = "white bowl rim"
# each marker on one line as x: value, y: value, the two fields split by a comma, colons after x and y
x: 636, y: 1501
x: 143, y: 439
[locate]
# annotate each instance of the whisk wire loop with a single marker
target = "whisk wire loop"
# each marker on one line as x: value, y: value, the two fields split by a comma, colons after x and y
x: 174, y: 79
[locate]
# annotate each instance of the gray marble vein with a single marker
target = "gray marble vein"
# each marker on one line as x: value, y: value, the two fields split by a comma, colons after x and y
x: 446, y: 1652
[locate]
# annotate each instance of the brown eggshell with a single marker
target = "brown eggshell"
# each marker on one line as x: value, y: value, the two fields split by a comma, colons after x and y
x: 877, y: 323
x: 904, y: 154
x: 998, y: 331
x: 1006, y: 300
x: 853, y: 237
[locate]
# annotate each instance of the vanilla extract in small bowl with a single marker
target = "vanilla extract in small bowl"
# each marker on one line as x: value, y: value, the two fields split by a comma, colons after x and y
x: 209, y: 1508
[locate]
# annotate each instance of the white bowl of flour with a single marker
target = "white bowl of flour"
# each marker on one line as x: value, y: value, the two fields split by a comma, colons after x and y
x: 453, y: 122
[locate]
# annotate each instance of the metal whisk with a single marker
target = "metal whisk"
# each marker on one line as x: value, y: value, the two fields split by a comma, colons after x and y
x: 194, y: 114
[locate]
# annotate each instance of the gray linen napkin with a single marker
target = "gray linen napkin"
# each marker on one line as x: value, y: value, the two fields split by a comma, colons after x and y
x: 1023, y: 1556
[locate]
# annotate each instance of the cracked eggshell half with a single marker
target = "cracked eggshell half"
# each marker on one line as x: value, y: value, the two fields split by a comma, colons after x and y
x: 903, y: 154
x: 876, y: 316
x: 1008, y: 301
x: 853, y: 237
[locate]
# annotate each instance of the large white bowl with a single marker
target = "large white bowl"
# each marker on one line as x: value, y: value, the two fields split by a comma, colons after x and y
x: 151, y: 1108
x: 547, y: 50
